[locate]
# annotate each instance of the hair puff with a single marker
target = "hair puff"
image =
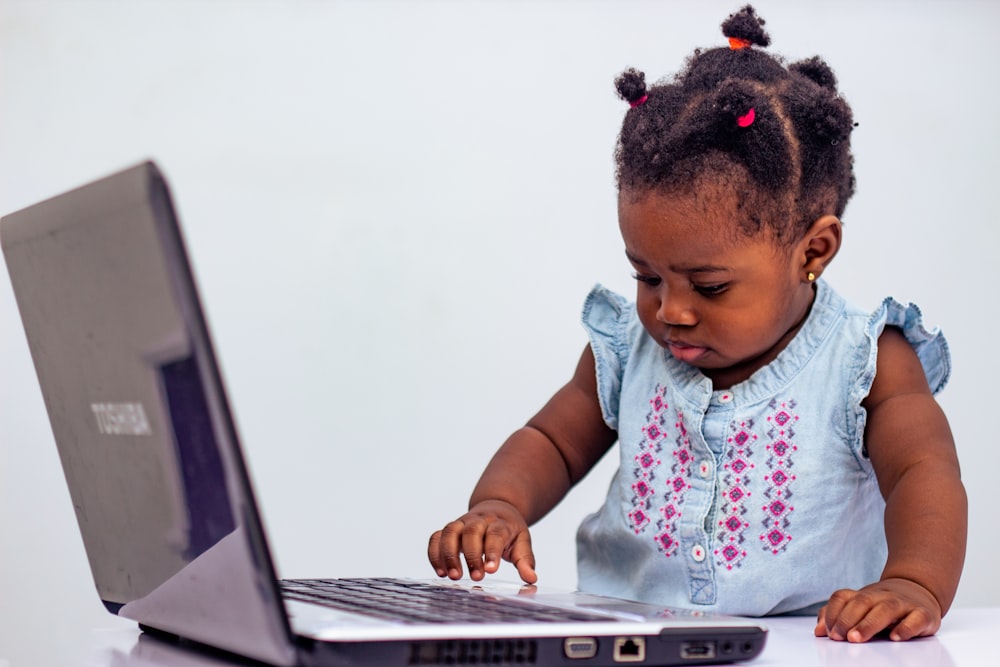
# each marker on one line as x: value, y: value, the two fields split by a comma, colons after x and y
x: 817, y: 70
x: 631, y: 85
x: 745, y: 24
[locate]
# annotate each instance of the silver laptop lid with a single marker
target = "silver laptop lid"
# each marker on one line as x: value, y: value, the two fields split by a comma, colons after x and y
x: 139, y: 414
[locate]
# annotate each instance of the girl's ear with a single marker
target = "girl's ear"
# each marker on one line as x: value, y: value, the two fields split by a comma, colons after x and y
x: 819, y: 246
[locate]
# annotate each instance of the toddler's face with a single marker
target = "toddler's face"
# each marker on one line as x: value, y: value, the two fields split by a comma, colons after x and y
x: 713, y: 297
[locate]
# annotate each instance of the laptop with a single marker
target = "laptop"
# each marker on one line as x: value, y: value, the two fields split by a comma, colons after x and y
x: 165, y: 504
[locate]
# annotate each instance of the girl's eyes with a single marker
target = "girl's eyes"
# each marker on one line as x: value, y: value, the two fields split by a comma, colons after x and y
x: 652, y: 281
x: 711, y: 290
x: 704, y: 290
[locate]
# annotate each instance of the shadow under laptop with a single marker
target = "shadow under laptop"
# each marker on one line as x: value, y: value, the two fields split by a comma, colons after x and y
x: 154, y: 650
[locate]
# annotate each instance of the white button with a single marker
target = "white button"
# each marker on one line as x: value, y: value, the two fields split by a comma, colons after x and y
x: 726, y: 397
x: 698, y: 553
x: 705, y: 469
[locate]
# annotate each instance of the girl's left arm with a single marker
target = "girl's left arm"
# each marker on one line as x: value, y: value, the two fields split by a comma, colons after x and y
x: 926, y: 512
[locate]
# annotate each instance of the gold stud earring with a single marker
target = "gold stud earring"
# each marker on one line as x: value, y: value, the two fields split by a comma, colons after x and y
x: 810, y: 276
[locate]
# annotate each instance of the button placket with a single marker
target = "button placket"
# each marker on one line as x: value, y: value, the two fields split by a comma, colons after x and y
x: 696, y: 537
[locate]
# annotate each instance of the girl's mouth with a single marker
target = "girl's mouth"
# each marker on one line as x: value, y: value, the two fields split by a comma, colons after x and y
x: 684, y: 352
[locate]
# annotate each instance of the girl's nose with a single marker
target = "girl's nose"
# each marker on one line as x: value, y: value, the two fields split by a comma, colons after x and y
x: 675, y: 310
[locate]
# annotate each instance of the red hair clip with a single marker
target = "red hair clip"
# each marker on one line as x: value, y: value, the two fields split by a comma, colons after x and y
x: 641, y: 100
x: 746, y: 120
x: 737, y: 43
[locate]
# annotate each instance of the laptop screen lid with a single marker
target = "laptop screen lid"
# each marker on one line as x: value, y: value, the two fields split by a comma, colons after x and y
x: 139, y: 415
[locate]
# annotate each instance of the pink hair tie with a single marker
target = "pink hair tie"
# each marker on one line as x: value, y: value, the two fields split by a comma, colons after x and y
x: 641, y: 100
x: 746, y: 120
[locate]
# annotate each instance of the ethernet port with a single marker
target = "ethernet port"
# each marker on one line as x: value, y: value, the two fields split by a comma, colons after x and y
x: 629, y: 649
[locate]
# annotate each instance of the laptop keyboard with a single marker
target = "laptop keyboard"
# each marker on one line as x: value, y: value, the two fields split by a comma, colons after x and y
x: 418, y: 602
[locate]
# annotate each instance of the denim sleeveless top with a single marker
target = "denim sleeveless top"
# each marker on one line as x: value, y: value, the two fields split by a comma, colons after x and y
x: 758, y: 499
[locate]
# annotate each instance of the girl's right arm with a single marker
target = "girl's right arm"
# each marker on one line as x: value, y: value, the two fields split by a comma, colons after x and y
x: 530, y: 473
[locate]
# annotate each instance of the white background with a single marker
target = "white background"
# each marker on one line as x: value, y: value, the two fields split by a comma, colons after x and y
x: 395, y: 209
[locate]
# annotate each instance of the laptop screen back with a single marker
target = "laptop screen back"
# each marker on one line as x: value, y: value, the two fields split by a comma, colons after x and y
x: 139, y: 414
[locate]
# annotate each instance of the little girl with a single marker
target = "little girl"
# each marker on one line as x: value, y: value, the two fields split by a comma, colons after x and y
x: 781, y: 450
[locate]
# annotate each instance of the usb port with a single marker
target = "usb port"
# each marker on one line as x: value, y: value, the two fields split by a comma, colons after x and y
x: 697, y: 650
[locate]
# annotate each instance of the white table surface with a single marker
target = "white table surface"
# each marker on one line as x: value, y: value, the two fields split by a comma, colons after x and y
x: 965, y: 640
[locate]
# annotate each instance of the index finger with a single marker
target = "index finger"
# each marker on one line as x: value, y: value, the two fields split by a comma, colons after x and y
x: 523, y: 558
x: 830, y: 615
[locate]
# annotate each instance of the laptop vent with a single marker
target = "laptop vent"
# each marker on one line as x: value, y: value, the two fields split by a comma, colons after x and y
x: 472, y: 652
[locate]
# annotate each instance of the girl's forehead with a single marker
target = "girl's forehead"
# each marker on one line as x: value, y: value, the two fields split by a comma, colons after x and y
x: 687, y: 226
x: 693, y: 211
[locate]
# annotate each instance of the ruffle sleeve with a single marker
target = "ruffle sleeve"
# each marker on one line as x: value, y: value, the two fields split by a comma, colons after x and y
x: 929, y: 344
x: 606, y: 316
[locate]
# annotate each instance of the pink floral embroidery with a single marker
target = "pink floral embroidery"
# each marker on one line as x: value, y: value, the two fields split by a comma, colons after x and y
x: 677, y: 486
x: 738, y: 465
x: 776, y: 535
x: 647, y: 462
x: 647, y: 486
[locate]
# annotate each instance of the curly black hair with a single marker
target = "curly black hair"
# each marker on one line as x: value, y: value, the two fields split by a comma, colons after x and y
x: 779, y: 136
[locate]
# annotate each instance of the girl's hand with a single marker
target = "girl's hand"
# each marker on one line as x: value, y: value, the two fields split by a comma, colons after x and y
x: 903, y: 607
x: 489, y: 531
